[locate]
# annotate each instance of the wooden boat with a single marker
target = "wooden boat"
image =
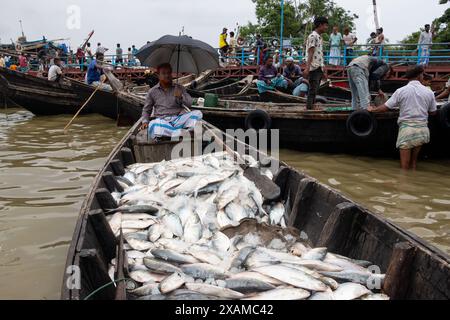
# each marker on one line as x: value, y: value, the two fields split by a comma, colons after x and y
x: 414, y: 269
x: 334, y: 128
x: 44, y: 98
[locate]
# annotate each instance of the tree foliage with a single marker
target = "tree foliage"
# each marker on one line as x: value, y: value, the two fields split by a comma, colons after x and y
x: 441, y: 25
x: 298, y: 17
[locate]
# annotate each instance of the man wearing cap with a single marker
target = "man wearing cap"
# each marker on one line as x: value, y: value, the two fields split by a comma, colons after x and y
x: 416, y: 102
x: 223, y: 43
x: 293, y: 74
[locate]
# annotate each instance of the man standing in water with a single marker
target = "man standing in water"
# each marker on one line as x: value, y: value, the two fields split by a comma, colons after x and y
x: 416, y: 102
x: 314, y: 59
x: 166, y: 102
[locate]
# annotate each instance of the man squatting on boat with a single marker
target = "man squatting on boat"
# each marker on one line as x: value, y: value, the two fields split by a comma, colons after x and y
x: 166, y: 102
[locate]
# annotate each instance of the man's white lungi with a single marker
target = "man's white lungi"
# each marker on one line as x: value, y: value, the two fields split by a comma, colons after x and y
x: 172, y: 126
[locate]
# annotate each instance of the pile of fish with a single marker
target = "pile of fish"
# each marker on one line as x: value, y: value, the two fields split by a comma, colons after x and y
x: 173, y: 214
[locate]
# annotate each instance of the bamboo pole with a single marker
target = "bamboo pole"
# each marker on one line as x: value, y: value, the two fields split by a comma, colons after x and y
x: 84, y: 105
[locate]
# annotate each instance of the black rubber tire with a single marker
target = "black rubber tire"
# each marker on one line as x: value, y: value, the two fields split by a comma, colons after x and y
x: 444, y: 116
x: 258, y: 120
x: 361, y: 124
x: 240, y: 41
x: 275, y: 42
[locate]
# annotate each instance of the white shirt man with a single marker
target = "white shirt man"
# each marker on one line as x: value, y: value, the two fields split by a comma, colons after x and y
x: 415, y: 102
x: 349, y: 40
x: 54, y: 73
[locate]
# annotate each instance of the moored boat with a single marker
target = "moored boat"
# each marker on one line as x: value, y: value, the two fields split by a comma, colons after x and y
x: 45, y: 98
x: 414, y: 269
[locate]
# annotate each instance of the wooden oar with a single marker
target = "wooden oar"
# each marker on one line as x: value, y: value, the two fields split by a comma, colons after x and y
x: 84, y: 105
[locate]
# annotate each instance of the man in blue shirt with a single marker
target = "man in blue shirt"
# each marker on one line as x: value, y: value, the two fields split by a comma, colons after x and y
x: 95, y: 73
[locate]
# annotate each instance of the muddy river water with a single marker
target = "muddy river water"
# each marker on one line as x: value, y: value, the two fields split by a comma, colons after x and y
x: 45, y: 174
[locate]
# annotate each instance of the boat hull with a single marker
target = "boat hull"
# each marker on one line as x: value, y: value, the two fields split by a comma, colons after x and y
x: 328, y: 132
x: 329, y: 219
x: 46, y: 98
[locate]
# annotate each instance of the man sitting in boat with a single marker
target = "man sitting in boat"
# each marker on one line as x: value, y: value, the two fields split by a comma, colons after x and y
x: 167, y: 102
x: 55, y: 71
x: 362, y: 70
x: 269, y: 78
x: 294, y: 76
x: 446, y: 93
x: 416, y: 102
x: 95, y: 76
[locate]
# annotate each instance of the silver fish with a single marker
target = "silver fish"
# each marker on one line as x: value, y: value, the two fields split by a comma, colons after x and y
x: 115, y: 222
x: 238, y: 262
x: 193, y: 230
x: 228, y: 191
x: 293, y: 277
x: 158, y: 266
x: 211, y: 290
x: 206, y: 256
x: 155, y: 231
x: 281, y: 294
x: 221, y: 242
x: 235, y: 212
x: 205, y: 271
x: 354, y: 276
x: 137, y: 224
x: 174, y: 244
x: 173, y: 256
x: 315, y: 254
x: 256, y: 276
x: 350, y: 291
x: 245, y: 286
x: 173, y: 223
x: 172, y: 283
x: 212, y: 161
x: 276, y: 213
x: 345, y: 264
x: 298, y: 249
x: 136, y: 209
x: 223, y: 220
x: 138, y: 244
x: 144, y: 276
x: 146, y: 290
x: 188, y: 295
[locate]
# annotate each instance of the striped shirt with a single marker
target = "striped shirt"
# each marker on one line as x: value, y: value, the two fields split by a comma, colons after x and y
x: 163, y: 103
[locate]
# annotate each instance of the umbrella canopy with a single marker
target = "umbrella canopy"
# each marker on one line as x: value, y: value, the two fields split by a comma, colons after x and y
x: 186, y: 55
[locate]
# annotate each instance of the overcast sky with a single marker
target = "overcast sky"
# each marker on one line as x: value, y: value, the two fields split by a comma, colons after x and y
x: 136, y: 21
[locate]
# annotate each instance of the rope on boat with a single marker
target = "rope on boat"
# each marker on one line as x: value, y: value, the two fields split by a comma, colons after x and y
x: 104, y: 287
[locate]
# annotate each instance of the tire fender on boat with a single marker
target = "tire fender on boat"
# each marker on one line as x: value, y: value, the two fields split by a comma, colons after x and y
x: 444, y: 116
x: 361, y: 124
x: 258, y: 120
x: 240, y: 41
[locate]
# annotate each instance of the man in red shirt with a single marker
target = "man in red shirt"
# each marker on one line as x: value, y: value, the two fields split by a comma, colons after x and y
x: 23, y: 63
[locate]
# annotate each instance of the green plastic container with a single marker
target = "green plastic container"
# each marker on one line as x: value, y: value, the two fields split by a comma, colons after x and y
x: 211, y: 100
